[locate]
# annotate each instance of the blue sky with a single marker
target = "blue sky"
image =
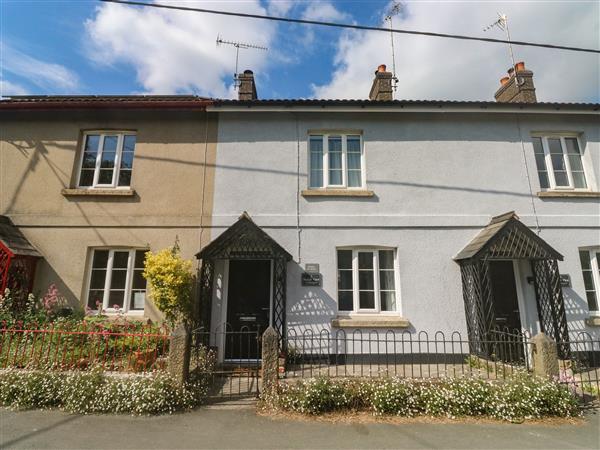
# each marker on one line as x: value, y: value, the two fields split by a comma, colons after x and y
x: 85, y: 47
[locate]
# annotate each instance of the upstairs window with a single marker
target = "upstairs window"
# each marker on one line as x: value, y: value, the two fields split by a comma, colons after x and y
x: 590, y: 267
x: 106, y: 160
x: 116, y: 282
x: 559, y: 162
x: 336, y: 161
x: 366, y: 280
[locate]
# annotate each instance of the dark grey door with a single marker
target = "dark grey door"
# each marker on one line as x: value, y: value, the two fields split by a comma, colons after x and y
x: 504, y: 292
x: 248, y: 306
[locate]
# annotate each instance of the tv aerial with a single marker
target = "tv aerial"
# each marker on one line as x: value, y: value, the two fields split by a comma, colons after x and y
x: 238, y: 46
x: 502, y: 24
x: 394, y: 11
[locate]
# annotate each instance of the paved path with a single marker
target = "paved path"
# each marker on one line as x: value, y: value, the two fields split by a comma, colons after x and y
x: 242, y: 428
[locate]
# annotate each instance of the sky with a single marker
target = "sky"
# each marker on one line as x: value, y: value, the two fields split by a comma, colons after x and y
x: 88, y: 47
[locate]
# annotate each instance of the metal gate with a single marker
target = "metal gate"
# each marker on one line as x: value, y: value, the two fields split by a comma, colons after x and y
x: 229, y: 362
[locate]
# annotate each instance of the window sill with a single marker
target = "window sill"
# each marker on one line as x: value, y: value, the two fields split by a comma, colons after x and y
x: 337, y: 193
x: 593, y: 321
x: 370, y: 322
x: 81, y: 192
x: 565, y: 194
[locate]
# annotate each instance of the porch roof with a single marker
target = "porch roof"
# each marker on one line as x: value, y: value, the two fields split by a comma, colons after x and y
x: 14, y: 241
x: 243, y: 239
x: 506, y: 237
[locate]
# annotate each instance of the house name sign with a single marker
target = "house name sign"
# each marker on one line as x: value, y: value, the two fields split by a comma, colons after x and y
x: 311, y: 275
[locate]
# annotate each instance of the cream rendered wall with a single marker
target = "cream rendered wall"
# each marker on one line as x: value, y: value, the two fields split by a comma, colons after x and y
x: 38, y: 158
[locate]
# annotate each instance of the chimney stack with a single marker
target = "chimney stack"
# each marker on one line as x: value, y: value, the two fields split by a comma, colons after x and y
x: 247, y: 87
x: 517, y: 87
x: 382, y: 85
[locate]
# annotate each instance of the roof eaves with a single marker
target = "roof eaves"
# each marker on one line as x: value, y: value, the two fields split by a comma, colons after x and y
x: 104, y: 102
x: 492, y: 105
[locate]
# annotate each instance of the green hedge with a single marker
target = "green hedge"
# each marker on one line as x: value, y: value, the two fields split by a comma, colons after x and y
x: 517, y: 398
x: 94, y: 392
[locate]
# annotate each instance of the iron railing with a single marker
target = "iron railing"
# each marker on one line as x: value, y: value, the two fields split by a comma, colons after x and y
x: 421, y: 355
x: 83, y: 346
x: 581, y: 370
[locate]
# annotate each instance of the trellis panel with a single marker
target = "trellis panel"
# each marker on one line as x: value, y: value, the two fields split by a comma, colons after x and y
x: 550, y: 303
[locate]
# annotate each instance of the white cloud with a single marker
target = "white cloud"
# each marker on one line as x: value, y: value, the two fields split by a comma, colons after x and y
x: 435, y: 68
x: 280, y: 7
x: 323, y: 11
x: 51, y: 77
x: 175, y: 51
x: 7, y: 89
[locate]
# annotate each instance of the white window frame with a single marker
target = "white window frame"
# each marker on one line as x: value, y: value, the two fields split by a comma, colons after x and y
x: 595, y: 266
x: 550, y: 168
x: 118, y: 154
x: 356, y: 310
x: 344, y: 135
x: 108, y: 309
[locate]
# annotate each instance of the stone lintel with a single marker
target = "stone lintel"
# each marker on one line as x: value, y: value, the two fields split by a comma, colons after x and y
x: 370, y: 322
x: 337, y: 193
x: 568, y: 194
x: 81, y: 192
x: 593, y: 321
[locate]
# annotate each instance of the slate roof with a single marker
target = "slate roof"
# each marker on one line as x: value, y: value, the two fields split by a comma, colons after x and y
x: 484, y: 104
x: 12, y: 238
x: 518, y: 241
x: 102, y: 101
x: 195, y: 101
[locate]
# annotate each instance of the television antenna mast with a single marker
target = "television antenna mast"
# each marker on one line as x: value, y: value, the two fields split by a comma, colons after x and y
x: 238, y: 46
x: 396, y: 9
x: 502, y: 23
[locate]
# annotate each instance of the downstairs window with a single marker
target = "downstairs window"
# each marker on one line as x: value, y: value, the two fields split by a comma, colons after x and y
x: 590, y: 267
x: 116, y: 282
x: 366, y: 280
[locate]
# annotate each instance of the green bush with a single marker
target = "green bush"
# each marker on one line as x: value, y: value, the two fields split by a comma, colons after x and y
x: 519, y: 397
x: 94, y: 392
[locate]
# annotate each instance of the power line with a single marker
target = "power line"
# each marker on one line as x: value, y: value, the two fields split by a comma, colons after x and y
x: 355, y: 27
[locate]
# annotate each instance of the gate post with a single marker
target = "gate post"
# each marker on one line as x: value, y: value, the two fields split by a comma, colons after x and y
x: 178, y: 364
x: 545, y: 356
x: 270, y: 359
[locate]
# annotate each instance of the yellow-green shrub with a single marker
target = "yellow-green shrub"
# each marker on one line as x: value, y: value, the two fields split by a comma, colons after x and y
x: 170, y: 277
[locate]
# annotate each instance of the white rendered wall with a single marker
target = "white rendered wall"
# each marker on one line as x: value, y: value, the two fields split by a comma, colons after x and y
x: 437, y: 178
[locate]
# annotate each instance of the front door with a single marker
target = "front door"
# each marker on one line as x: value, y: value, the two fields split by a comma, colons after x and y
x: 506, y: 345
x: 248, y: 307
x: 506, y: 300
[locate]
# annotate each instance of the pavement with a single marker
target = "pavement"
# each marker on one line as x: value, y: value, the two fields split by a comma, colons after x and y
x: 242, y: 428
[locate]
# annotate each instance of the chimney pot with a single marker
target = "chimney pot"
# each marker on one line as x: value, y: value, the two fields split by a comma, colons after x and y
x: 381, y: 68
x: 520, y: 66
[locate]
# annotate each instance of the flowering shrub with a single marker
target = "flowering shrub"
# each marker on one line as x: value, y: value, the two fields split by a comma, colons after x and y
x: 50, y: 307
x: 517, y: 398
x: 93, y: 392
x: 53, y: 301
x: 170, y: 279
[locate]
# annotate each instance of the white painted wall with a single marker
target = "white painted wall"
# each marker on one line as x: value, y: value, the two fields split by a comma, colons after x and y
x: 438, y: 178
